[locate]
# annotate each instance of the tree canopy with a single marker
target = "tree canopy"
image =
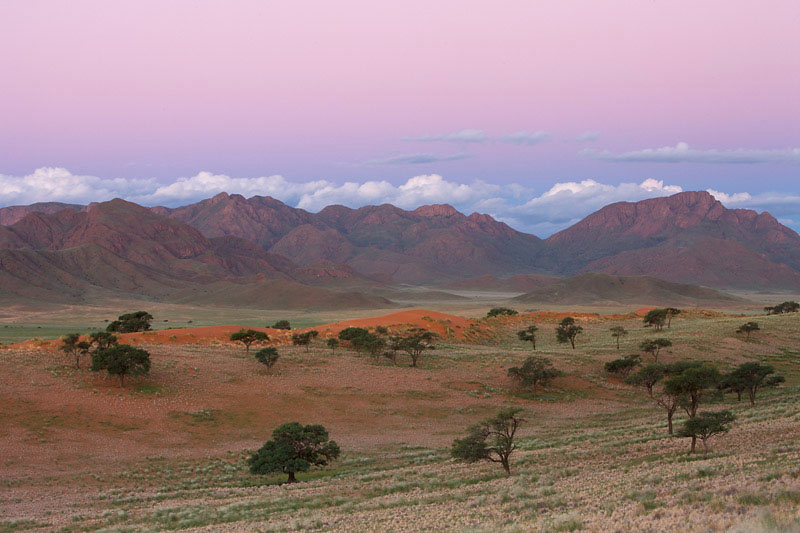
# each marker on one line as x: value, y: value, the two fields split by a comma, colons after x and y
x: 294, y: 448
x: 747, y: 328
x: 653, y: 346
x: 567, y: 330
x: 528, y: 335
x: 281, y: 324
x: 268, y: 357
x: 751, y: 377
x: 704, y: 426
x: 624, y: 365
x: 655, y: 318
x: 490, y: 440
x: 501, y: 311
x: 618, y: 332
x: 131, y: 322
x: 248, y: 337
x: 534, y: 372
x: 122, y: 360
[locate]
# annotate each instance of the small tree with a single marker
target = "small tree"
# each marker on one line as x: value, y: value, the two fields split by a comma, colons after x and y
x: 248, y: 337
x: 653, y: 374
x: 122, y: 360
x: 747, y: 328
x: 267, y: 357
x: 653, y: 346
x: 101, y: 340
x: 416, y: 341
x: 501, y: 311
x: 491, y: 440
x: 567, y: 331
x: 131, y: 322
x: 705, y: 426
x: 354, y: 336
x: 655, y: 318
x: 282, y: 324
x: 528, y: 335
x: 381, y: 330
x: 374, y: 344
x: 69, y: 345
x: 304, y: 339
x: 750, y: 378
x: 618, y: 332
x: 294, y: 448
x: 534, y: 372
x: 691, y: 384
x: 332, y: 344
x: 624, y: 366
x: 671, y: 313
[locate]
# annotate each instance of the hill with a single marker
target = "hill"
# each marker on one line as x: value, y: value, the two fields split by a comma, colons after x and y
x: 640, y: 290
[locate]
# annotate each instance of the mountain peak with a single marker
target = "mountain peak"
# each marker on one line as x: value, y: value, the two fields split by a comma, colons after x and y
x: 437, y: 210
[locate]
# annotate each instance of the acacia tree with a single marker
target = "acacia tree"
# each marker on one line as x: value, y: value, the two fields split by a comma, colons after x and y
x: 122, y: 360
x: 131, y: 322
x: 416, y: 341
x: 490, y: 440
x: 282, y: 324
x: 535, y: 371
x: 332, y: 344
x: 528, y: 335
x: 617, y: 332
x: 101, y: 340
x: 304, y: 339
x: 294, y: 448
x: 747, y: 328
x: 671, y: 312
x: 355, y: 336
x: 623, y: 366
x: 248, y: 337
x: 70, y: 346
x: 267, y: 357
x: 651, y: 377
x: 653, y: 346
x: 751, y: 377
x: 567, y: 331
x: 705, y: 426
x: 655, y: 318
x: 501, y: 311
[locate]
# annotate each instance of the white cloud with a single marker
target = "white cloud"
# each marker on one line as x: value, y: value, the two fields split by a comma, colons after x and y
x: 525, y: 137
x: 683, y: 153
x: 540, y: 213
x: 414, y: 159
x: 586, y: 136
x: 461, y: 136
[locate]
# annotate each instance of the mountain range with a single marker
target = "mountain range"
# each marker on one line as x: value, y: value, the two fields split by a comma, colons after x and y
x: 229, y: 245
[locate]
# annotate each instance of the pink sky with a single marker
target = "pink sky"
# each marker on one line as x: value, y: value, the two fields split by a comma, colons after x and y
x: 311, y: 89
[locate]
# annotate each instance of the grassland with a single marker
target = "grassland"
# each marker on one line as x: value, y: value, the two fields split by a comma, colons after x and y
x: 168, y: 451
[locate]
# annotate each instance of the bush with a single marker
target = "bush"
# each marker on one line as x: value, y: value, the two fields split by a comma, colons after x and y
x: 624, y: 366
x: 131, y: 323
x: 294, y: 448
x: 501, y: 311
x: 281, y: 324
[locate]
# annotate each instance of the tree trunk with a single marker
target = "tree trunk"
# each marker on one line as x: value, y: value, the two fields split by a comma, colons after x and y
x: 705, y: 447
x: 291, y: 479
x: 572, y: 342
x: 669, y: 422
x: 122, y: 380
x: 752, y: 395
x: 78, y: 361
x: 739, y: 395
x: 617, y: 343
x: 534, y: 344
x: 506, y: 466
x: 694, y: 443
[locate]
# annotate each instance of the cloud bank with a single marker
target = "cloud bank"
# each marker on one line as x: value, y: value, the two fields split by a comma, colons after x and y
x: 522, y: 207
x: 683, y: 153
x: 528, y: 138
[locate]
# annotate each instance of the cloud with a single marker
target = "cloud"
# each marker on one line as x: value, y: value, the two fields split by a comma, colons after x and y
x: 525, y: 137
x: 539, y: 212
x: 586, y: 136
x: 461, y: 136
x: 414, y: 159
x: 682, y: 153
x: 529, y: 138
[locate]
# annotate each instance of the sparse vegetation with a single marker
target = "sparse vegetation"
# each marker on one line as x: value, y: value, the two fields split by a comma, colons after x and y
x: 785, y: 307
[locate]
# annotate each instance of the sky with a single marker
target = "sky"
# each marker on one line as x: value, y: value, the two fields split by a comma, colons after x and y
x: 537, y: 113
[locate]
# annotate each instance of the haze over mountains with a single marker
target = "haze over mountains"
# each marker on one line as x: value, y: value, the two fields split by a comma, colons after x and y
x: 230, y: 247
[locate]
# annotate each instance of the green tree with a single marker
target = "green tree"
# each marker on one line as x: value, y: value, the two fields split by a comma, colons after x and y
x: 355, y: 336
x: 654, y: 346
x: 528, y: 335
x: 747, y: 328
x: 69, y: 345
x: 268, y: 357
x: 623, y: 366
x: 417, y: 340
x: 501, y: 311
x: 691, y: 384
x: 618, y: 332
x: 122, y: 360
x: 567, y: 331
x: 332, y: 344
x: 304, y: 339
x: 131, y: 323
x: 751, y: 377
x: 294, y: 448
x: 248, y: 337
x: 655, y: 318
x: 534, y: 372
x: 282, y: 324
x: 671, y: 312
x: 101, y: 340
x: 705, y: 426
x: 491, y: 440
x: 373, y: 344
x: 651, y: 377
